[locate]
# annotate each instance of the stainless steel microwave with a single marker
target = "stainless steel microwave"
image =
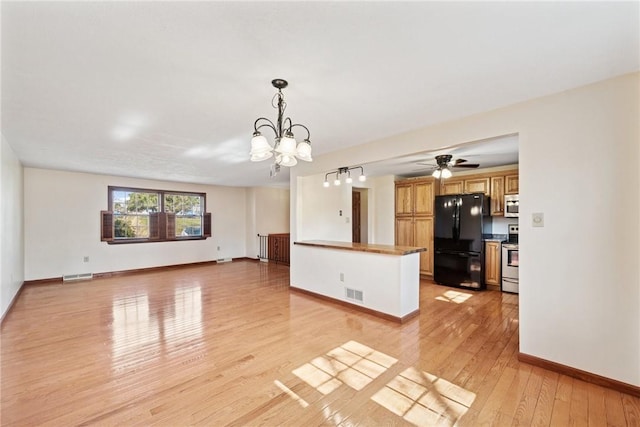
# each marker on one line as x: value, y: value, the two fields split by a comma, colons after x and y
x: 511, y: 205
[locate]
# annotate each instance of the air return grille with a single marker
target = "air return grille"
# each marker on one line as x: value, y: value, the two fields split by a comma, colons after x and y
x: 81, y: 276
x: 354, y: 295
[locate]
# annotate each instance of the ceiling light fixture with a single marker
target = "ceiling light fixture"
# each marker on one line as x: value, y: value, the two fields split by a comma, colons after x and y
x: 443, y: 170
x: 344, y: 171
x: 287, y: 149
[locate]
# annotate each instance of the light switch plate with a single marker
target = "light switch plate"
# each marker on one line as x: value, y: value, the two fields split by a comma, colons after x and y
x: 537, y: 219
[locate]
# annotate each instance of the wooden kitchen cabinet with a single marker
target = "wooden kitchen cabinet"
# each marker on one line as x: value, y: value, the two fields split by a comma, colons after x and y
x: 423, y: 196
x: 497, y: 196
x: 511, y: 184
x: 449, y: 186
x: 478, y: 185
x: 492, y: 263
x: 404, y: 231
x: 404, y: 199
x: 423, y: 237
x: 414, y: 218
x: 415, y: 198
x: 417, y: 231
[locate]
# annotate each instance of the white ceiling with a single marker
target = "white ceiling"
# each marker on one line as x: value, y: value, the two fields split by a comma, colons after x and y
x: 170, y: 90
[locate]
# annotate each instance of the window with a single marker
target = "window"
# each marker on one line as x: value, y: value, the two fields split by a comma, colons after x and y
x: 142, y: 215
x: 187, y: 209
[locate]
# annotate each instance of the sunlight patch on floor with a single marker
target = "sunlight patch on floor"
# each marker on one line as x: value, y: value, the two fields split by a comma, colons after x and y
x: 353, y: 364
x: 291, y: 394
x: 424, y: 399
x: 454, y: 296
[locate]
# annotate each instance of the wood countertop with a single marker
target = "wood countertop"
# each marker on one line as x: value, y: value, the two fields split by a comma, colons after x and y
x: 363, y: 247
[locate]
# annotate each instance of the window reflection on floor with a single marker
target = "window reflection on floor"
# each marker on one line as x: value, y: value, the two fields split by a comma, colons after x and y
x: 186, y: 322
x: 454, y: 296
x: 133, y: 328
x: 424, y: 399
x: 139, y: 324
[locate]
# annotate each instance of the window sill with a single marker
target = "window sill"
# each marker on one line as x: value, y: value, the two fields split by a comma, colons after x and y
x: 131, y: 241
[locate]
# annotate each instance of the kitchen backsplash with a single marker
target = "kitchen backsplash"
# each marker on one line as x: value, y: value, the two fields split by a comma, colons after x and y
x: 500, y: 225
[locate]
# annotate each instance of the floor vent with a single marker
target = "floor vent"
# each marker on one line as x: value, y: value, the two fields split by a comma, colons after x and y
x: 354, y: 295
x: 221, y: 260
x: 81, y: 276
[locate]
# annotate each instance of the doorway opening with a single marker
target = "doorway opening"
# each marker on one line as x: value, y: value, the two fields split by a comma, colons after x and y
x: 359, y: 215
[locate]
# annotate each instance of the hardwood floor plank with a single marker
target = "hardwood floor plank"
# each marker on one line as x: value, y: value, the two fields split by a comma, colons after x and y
x: 614, y: 409
x: 229, y: 344
x: 579, y: 410
x: 631, y: 407
x: 546, y: 399
x: 529, y: 400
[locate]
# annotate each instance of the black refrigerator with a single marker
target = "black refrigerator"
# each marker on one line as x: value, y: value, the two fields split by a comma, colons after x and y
x: 460, y: 222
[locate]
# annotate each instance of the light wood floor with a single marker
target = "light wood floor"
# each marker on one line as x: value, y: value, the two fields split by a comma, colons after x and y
x: 229, y: 344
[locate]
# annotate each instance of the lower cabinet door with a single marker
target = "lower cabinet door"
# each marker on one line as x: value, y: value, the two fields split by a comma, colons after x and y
x: 423, y: 237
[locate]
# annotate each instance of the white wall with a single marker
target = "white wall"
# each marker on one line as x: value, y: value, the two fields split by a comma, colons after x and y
x: 267, y: 213
x: 320, y: 217
x: 12, y: 229
x: 383, y: 210
x: 579, y: 278
x: 62, y: 225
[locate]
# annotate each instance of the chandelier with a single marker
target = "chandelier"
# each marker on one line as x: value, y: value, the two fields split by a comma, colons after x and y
x: 286, y: 149
x: 344, y: 171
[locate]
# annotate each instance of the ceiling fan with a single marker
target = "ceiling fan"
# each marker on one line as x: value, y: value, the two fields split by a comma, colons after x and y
x: 444, y: 164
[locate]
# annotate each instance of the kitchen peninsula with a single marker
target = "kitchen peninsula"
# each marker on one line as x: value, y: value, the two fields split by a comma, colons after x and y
x: 383, y: 280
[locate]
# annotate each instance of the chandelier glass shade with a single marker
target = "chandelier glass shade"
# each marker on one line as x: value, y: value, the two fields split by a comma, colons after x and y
x: 344, y: 171
x: 286, y: 149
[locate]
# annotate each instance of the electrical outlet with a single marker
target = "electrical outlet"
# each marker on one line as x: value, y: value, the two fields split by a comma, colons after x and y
x: 86, y: 259
x: 342, y: 277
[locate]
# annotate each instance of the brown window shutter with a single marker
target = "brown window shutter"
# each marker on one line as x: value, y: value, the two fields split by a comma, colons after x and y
x: 206, y: 225
x: 154, y: 226
x: 106, y: 226
x: 170, y: 228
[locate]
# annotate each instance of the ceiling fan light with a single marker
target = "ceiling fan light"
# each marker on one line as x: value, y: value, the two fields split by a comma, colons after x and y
x: 436, y: 173
x: 446, y: 173
x: 304, y: 151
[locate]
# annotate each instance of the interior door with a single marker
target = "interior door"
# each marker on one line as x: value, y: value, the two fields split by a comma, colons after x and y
x: 355, y: 217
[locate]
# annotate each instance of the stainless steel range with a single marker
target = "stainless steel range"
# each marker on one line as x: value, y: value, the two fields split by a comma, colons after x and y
x: 510, y: 261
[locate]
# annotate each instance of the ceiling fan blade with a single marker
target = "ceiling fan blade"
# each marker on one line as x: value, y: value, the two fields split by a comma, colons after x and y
x: 458, y: 161
x: 467, y: 165
x: 426, y: 164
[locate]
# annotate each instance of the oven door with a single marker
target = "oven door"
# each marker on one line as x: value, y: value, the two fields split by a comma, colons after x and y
x: 510, y: 261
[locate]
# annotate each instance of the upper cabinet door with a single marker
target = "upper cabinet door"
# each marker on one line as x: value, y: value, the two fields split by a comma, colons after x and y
x: 497, y: 195
x: 404, y: 199
x: 423, y: 193
x: 511, y: 184
x: 477, y: 185
x: 451, y: 187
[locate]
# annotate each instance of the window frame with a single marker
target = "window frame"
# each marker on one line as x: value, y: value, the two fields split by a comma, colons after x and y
x: 160, y: 222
